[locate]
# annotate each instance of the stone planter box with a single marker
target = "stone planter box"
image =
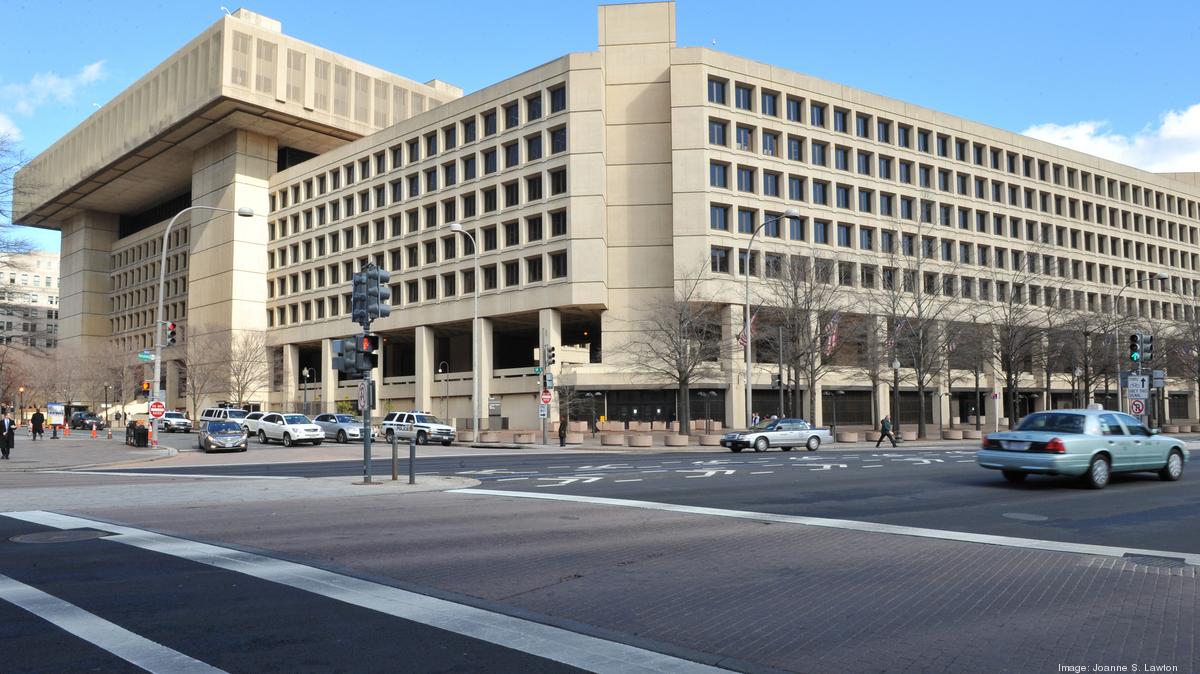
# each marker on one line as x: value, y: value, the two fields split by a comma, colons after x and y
x: 675, y: 440
x: 848, y: 436
x: 613, y: 426
x: 574, y: 438
x: 640, y: 427
x: 716, y: 426
x: 933, y: 435
x: 489, y: 436
x: 972, y: 434
x: 464, y: 436
x: 641, y: 440
x: 952, y: 434
x: 658, y: 425
x: 908, y: 435
x: 612, y: 440
x: 1170, y: 428
x: 523, y: 438
x: 1185, y: 428
x: 577, y: 427
x: 710, y: 440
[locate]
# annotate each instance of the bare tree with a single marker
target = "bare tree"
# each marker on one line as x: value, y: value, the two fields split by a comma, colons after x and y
x: 205, y: 361
x: 248, y: 367
x: 12, y: 245
x: 679, y: 340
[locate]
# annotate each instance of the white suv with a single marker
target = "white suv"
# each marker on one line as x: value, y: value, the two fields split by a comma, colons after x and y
x: 288, y: 429
x: 222, y: 414
x: 416, y: 424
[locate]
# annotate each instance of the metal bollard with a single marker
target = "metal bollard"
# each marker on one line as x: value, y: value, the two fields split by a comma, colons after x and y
x: 395, y: 459
x: 412, y: 459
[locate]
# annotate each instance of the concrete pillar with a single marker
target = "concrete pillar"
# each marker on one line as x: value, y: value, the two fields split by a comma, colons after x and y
x: 85, y: 283
x: 883, y: 393
x: 423, y: 358
x: 291, y: 370
x: 1193, y: 402
x: 550, y: 330
x: 328, y: 377
x: 817, y: 414
x: 941, y: 405
x: 485, y: 368
x: 733, y: 368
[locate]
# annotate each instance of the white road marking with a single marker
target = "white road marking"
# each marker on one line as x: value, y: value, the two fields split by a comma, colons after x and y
x: 873, y: 466
x: 666, y: 462
x: 851, y: 525
x: 661, y: 470
x: 638, y: 479
x: 196, y: 475
x: 553, y: 467
x: 762, y: 472
x: 706, y: 473
x: 827, y: 466
x: 564, y: 481
x: 149, y: 655
x: 964, y: 461
x: 510, y: 479
x: 552, y: 643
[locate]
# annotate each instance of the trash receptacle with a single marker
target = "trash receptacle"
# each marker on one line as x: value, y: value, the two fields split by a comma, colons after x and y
x: 141, y: 437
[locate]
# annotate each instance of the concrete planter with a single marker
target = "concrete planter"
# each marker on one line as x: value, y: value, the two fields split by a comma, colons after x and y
x: 658, y: 425
x: 908, y: 435
x: 574, y: 438
x: 716, y: 426
x: 641, y: 440
x: 523, y: 438
x: 1170, y: 428
x: 972, y: 434
x: 464, y: 436
x: 612, y: 440
x: 675, y: 440
x: 710, y: 441
x: 577, y: 427
x: 952, y: 434
x: 640, y: 427
x: 849, y: 436
x: 489, y: 436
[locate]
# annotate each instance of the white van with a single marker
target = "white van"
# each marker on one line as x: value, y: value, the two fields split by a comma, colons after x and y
x: 222, y: 414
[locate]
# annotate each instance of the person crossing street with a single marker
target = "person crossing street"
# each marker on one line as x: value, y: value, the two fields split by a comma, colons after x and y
x: 885, y: 431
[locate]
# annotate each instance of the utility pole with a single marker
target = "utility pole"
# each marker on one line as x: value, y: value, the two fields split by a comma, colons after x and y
x: 361, y: 355
x: 781, y: 412
x: 542, y: 382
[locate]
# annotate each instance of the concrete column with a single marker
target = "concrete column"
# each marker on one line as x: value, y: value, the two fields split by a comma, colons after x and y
x: 423, y: 358
x: 883, y: 393
x: 1193, y: 402
x: 817, y: 414
x: 941, y: 405
x: 485, y: 368
x: 733, y: 368
x: 291, y: 370
x: 550, y: 330
x: 328, y: 377
x: 84, y: 282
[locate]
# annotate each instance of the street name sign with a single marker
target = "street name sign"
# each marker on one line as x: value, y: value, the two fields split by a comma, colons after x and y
x: 145, y: 355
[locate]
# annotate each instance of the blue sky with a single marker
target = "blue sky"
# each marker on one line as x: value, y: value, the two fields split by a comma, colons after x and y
x: 1116, y: 79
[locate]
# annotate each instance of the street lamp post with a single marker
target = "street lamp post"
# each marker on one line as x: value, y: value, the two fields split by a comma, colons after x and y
x: 21, y: 405
x: 896, y: 396
x: 1160, y: 276
x: 305, y: 376
x: 444, y: 369
x: 592, y: 397
x: 1077, y: 393
x: 162, y: 283
x: 789, y: 213
x: 457, y: 227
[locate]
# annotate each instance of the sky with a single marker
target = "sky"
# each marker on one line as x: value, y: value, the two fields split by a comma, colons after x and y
x: 1114, y: 80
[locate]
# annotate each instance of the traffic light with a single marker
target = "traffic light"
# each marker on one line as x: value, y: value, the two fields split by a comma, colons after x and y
x: 1135, y: 347
x: 549, y: 355
x: 1147, y: 347
x: 345, y: 355
x: 368, y: 352
x: 358, y: 300
x: 171, y: 332
x: 775, y: 381
x: 146, y: 388
x: 378, y: 292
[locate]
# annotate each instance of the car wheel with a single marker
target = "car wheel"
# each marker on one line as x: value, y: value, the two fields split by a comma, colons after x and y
x: 1098, y: 473
x: 1014, y: 476
x: 445, y: 443
x: 341, y: 437
x: 735, y: 450
x: 262, y: 436
x: 761, y: 444
x: 1173, y: 470
x: 316, y: 443
x: 287, y: 440
x: 813, y: 444
x: 422, y: 438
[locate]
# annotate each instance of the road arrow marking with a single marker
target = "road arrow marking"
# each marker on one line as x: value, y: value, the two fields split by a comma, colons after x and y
x: 921, y: 462
x: 707, y: 473
x: 714, y: 462
x: 828, y: 466
x: 633, y: 480
x: 607, y: 466
x: 497, y: 471
x: 872, y: 466
x: 762, y: 472
x: 564, y: 481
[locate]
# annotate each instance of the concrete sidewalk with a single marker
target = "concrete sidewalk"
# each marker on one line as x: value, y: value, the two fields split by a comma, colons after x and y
x: 77, y: 450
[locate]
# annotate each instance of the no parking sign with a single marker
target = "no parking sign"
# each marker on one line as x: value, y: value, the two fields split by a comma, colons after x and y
x: 1137, y: 406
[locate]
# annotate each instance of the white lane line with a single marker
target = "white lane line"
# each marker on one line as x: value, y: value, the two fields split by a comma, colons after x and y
x: 197, y: 475
x: 762, y: 472
x: 851, y: 525
x: 510, y: 479
x: 131, y: 647
x: 965, y: 461
x: 553, y: 467
x: 552, y: 643
x: 872, y: 466
x: 631, y: 480
x: 663, y: 470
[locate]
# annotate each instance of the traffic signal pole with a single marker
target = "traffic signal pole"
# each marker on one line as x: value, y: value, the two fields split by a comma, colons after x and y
x: 542, y: 381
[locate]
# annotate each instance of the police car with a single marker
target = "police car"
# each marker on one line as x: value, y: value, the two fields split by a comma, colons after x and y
x: 417, y: 424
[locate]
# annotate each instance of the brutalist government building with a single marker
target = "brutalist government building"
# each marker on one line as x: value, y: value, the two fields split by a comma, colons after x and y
x: 612, y: 196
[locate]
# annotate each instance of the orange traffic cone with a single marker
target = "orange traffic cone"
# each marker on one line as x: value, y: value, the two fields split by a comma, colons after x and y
x: 93, y: 431
x: 66, y: 430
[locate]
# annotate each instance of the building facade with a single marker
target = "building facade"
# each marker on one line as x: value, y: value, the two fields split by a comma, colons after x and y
x: 594, y: 191
x: 29, y: 300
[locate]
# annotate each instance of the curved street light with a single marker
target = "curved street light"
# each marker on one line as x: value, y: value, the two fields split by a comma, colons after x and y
x: 789, y: 213
x: 457, y: 227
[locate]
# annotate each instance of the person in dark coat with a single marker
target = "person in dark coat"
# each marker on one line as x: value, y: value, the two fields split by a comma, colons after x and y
x: 36, y: 422
x: 562, y: 432
x: 8, y: 434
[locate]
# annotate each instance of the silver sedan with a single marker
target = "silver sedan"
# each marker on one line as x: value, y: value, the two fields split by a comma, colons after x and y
x: 782, y: 433
x: 340, y: 427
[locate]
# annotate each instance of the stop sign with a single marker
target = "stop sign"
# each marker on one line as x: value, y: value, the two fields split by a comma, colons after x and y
x: 546, y: 396
x: 157, y: 409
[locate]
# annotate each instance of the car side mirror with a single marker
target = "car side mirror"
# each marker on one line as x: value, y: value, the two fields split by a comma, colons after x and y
x: 1155, y: 431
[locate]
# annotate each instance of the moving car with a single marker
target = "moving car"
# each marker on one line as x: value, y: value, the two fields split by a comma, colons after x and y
x: 1091, y: 444
x: 416, y: 424
x: 84, y: 421
x: 288, y: 429
x: 176, y: 421
x: 340, y: 427
x: 227, y: 435
x: 782, y: 433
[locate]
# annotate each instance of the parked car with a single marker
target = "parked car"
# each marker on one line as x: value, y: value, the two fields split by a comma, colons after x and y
x: 288, y: 429
x: 416, y: 424
x: 1091, y: 444
x: 340, y: 427
x: 222, y: 414
x: 176, y: 421
x: 84, y: 421
x: 782, y: 433
x: 226, y: 435
x: 250, y: 422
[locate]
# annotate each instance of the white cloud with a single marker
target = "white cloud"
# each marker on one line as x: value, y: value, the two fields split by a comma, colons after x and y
x: 26, y: 97
x: 1173, y: 145
x: 8, y: 129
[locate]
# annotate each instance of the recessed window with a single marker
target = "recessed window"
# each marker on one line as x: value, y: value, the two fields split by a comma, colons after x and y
x: 718, y: 217
x: 744, y: 97
x: 717, y: 91
x: 558, y: 99
x: 718, y: 132
x: 719, y: 260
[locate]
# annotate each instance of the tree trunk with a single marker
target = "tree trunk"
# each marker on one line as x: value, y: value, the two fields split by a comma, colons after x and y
x: 685, y: 407
x: 921, y: 428
x: 978, y: 400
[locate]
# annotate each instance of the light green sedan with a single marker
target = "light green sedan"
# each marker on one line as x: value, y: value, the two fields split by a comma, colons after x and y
x: 1091, y: 444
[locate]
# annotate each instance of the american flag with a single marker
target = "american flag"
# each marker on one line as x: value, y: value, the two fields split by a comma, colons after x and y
x: 742, y: 334
x: 831, y: 333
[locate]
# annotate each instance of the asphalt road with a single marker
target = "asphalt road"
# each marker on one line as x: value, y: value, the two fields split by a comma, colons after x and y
x: 938, y: 489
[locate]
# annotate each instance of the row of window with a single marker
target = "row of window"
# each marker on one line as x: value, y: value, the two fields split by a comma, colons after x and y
x: 432, y: 143
x: 771, y: 103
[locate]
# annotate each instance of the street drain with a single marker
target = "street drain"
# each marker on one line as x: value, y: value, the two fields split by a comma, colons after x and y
x: 1156, y: 561
x: 1026, y: 517
x: 65, y: 536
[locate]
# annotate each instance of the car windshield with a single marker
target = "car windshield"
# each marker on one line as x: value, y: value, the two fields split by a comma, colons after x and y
x: 1053, y: 422
x: 427, y: 419
x: 173, y: 415
x: 295, y: 419
x: 236, y: 414
x: 223, y: 427
x: 347, y: 419
x: 761, y: 425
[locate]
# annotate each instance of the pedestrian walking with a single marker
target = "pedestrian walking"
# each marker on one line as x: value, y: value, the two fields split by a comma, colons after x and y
x: 885, y: 431
x: 754, y: 418
x: 562, y: 432
x: 8, y: 434
x: 36, y: 423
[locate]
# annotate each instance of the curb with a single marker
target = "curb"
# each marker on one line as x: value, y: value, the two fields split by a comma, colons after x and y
x: 170, y: 451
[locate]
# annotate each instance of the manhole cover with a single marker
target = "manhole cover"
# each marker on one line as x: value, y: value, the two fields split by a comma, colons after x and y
x: 1160, y: 562
x: 1026, y: 517
x: 67, y: 536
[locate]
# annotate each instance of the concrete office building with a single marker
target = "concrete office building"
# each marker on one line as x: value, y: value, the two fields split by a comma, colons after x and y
x: 595, y: 186
x: 29, y: 300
